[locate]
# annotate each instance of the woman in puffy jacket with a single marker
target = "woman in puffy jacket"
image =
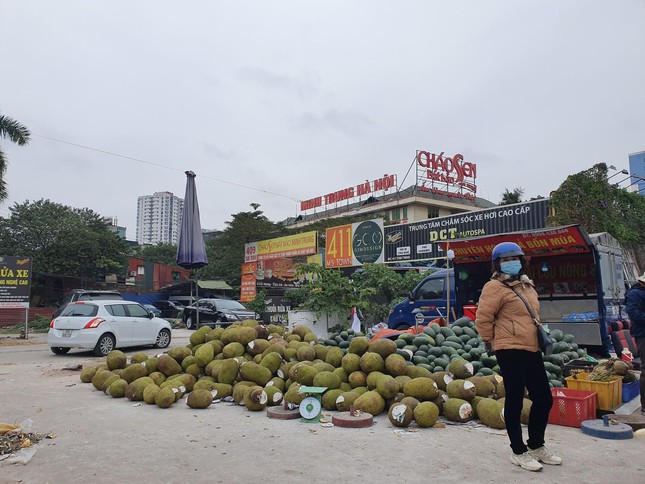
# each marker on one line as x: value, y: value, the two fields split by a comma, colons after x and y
x: 506, y: 326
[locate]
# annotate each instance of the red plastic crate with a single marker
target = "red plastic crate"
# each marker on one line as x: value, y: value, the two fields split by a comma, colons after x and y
x: 572, y: 407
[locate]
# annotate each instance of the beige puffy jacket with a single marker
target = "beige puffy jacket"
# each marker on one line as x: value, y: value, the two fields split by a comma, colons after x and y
x: 502, y: 317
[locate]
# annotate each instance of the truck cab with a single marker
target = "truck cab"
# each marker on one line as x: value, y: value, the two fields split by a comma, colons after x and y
x: 429, y: 297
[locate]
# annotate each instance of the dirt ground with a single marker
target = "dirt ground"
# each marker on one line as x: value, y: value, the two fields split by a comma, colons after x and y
x: 101, y: 439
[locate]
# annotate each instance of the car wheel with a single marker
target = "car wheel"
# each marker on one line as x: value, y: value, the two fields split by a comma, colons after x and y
x: 189, y: 323
x: 402, y: 327
x: 104, y: 345
x: 163, y: 339
x: 57, y: 350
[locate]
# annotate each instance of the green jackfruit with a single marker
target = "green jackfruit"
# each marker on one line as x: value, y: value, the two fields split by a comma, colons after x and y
x: 329, y: 398
x: 168, y: 365
x: 139, y: 358
x: 358, y: 379
x: 326, y: 379
x: 134, y: 390
x: 157, y: 377
x: 372, y: 361
x: 358, y: 345
x: 233, y: 349
x: 186, y: 362
x: 458, y: 410
x: 384, y: 347
x: 400, y: 415
x: 99, y: 378
x: 87, y: 374
x: 178, y: 353
x: 133, y: 372
x: 116, y: 360
x: 351, y: 362
x: 305, y: 353
x: 255, y: 373
x: 274, y: 395
x: 199, y: 336
x: 423, y: 389
x: 463, y: 389
x: 334, y: 356
x: 410, y: 402
x: 346, y: 400
x: 165, y: 397
x: 461, y: 368
x: 426, y: 414
x: 387, y: 387
x: 150, y: 393
x: 114, y: 377
x: 257, y: 346
x: 204, y: 355
x: 305, y: 374
x: 491, y: 413
x: 370, y: 402
x: 396, y: 365
x: 199, y: 398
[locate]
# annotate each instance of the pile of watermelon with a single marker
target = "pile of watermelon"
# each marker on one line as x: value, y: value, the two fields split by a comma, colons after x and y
x: 437, y: 346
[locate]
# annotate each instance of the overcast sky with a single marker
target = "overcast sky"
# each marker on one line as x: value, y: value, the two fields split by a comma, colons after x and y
x: 297, y: 99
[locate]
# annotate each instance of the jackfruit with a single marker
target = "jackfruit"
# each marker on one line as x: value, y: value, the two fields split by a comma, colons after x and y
x: 199, y: 336
x: 305, y: 374
x: 371, y: 402
x: 134, y: 371
x: 178, y: 353
x: 186, y: 362
x: 165, y: 397
x: 357, y: 379
x: 358, y: 346
x: 87, y: 374
x: 326, y: 379
x: 423, y: 389
x: 483, y: 386
x: 274, y: 395
x: 329, y: 398
x: 139, y: 357
x: 410, y: 402
x: 239, y: 392
x: 350, y: 362
x: 157, y: 377
x: 440, y: 400
x: 168, y: 365
x: 99, y: 378
x: 417, y: 372
x: 134, y: 390
x: 321, y: 351
x: 463, y: 389
x: 372, y: 379
x: 257, y: 346
x: 387, y: 386
x: 204, y: 355
x: 372, y: 361
x: 213, y: 334
x: 402, y: 380
x: 150, y: 393
x: 277, y: 382
x: 441, y: 378
x: 301, y: 331
x: 342, y: 374
x: 461, y: 368
x: 334, y: 356
x: 255, y: 399
x: 255, y: 373
x: 274, y: 328
x: 116, y: 360
x: 151, y: 364
x: 400, y: 415
x: 458, y: 410
x: 396, y: 365
x: 491, y: 413
x: 346, y: 400
x: 199, y: 398
x: 194, y: 370
x: 384, y: 347
x: 426, y: 414
x: 272, y: 361
x: 305, y: 353
x: 114, y: 377
x: 231, y: 350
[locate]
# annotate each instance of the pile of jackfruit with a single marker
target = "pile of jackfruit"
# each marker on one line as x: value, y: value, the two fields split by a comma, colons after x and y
x: 258, y: 366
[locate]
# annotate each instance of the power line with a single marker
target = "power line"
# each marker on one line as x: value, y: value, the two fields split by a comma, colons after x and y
x: 163, y: 166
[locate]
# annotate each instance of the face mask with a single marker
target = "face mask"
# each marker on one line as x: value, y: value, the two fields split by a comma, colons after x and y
x: 511, y: 267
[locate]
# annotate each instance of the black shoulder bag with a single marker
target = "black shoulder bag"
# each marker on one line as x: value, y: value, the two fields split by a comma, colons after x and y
x: 544, y: 340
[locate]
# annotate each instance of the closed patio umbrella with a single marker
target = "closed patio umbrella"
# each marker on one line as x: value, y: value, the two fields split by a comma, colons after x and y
x: 191, y: 251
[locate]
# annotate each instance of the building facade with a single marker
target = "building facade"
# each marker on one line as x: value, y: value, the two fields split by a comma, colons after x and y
x: 159, y: 218
x: 637, y: 171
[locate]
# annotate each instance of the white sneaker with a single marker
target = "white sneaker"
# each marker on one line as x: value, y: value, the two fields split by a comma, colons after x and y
x: 542, y: 454
x: 526, y: 461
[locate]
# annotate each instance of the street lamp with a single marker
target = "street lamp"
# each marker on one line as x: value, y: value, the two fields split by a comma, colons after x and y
x: 450, y: 255
x: 624, y: 172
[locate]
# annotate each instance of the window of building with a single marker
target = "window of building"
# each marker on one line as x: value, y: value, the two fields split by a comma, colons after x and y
x: 396, y: 214
x: 175, y: 276
x: 141, y: 270
x: 433, y: 212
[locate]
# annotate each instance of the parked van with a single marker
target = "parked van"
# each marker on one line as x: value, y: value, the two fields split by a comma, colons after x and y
x: 429, y: 297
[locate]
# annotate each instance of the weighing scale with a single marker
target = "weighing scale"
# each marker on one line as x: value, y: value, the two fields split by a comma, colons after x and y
x: 311, y: 405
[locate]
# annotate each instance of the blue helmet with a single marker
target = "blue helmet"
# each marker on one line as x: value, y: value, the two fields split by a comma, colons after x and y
x: 506, y: 249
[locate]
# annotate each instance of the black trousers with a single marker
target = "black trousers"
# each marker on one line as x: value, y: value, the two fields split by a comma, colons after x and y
x: 640, y: 344
x: 522, y: 369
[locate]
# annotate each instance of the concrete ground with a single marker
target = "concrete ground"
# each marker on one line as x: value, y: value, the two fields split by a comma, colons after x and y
x: 101, y: 439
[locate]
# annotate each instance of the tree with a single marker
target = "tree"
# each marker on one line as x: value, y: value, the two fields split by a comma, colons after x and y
x: 17, y: 133
x: 588, y: 199
x: 509, y: 197
x: 226, y: 250
x: 160, y: 253
x: 62, y: 240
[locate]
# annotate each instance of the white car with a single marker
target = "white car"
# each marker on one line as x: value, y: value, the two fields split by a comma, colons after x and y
x: 104, y: 325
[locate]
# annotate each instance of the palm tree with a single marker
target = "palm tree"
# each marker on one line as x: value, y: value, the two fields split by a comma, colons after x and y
x: 509, y: 197
x: 17, y: 133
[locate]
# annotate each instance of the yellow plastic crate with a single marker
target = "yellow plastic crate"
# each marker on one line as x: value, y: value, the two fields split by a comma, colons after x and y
x: 609, y: 393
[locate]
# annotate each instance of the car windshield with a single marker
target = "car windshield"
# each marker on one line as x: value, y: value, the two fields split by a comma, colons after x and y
x: 80, y: 310
x: 229, y: 304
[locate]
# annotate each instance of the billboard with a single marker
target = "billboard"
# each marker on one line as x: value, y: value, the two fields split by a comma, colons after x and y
x: 15, y: 281
x: 354, y: 244
x: 305, y: 243
x: 420, y: 240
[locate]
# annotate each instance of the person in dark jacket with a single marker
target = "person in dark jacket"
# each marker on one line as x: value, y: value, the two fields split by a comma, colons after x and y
x: 635, y: 306
x: 506, y: 326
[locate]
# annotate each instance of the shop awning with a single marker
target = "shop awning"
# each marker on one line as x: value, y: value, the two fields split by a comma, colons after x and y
x: 570, y: 239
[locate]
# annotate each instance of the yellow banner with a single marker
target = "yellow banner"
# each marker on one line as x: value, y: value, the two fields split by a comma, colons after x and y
x: 288, y: 246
